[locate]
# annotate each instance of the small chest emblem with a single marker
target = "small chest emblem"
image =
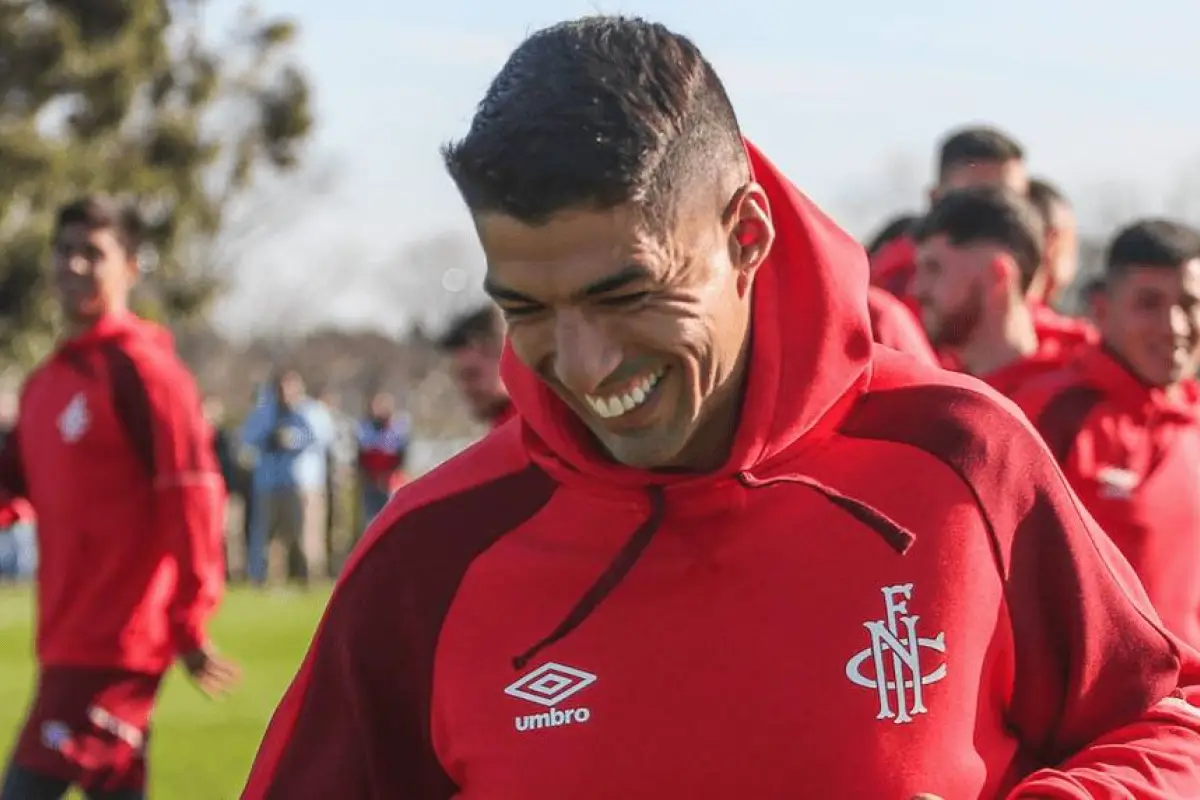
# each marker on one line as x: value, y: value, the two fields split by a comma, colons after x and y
x: 1117, y: 483
x: 74, y: 420
x: 892, y: 664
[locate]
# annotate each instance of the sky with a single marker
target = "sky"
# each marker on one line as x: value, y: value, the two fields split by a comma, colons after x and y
x: 848, y: 98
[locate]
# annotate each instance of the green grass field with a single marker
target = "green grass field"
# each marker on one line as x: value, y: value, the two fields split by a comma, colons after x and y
x: 201, y: 750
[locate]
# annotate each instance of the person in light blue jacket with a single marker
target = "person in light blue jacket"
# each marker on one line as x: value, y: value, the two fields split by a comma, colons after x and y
x: 291, y: 434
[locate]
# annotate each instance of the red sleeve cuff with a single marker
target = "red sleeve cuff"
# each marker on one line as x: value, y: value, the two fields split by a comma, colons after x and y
x: 188, y: 638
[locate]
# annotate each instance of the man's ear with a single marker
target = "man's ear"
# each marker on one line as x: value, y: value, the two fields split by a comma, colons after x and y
x: 751, y: 232
x: 1004, y: 273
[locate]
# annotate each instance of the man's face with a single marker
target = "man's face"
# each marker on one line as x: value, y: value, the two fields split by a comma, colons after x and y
x: 476, y: 370
x: 1062, y: 251
x: 93, y: 272
x: 1150, y: 317
x: 950, y: 284
x: 1010, y: 175
x: 641, y: 334
x: 382, y: 406
x: 214, y: 411
x: 290, y: 389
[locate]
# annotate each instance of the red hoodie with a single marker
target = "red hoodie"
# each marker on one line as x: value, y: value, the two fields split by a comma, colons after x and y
x: 1133, y: 456
x: 1049, y: 357
x: 892, y: 269
x: 1010, y: 378
x: 112, y: 450
x: 887, y: 590
x: 1067, y: 334
x: 503, y: 414
x: 894, y: 325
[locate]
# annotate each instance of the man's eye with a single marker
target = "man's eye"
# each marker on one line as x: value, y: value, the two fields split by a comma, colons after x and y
x: 623, y: 299
x: 520, y: 311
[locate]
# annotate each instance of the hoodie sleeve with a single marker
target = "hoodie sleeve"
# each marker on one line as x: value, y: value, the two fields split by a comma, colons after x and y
x: 160, y: 407
x: 1101, y: 697
x: 1102, y: 692
x: 12, y: 478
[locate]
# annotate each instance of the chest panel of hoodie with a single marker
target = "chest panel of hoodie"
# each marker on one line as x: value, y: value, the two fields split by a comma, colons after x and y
x: 742, y: 644
x: 1139, y: 479
x: 93, y: 497
x: 77, y: 452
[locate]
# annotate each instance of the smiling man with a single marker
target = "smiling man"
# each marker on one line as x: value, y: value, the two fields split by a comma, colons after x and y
x: 730, y: 548
x: 1124, y: 418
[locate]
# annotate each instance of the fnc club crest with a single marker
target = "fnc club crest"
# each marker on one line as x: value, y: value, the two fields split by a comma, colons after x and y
x: 892, y: 664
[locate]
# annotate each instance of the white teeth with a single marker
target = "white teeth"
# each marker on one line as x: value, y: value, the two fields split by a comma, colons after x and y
x: 616, y: 405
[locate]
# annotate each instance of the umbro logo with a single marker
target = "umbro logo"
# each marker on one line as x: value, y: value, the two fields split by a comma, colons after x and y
x: 549, y: 685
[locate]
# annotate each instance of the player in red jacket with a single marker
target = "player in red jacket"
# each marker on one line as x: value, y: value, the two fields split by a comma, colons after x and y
x: 729, y: 548
x: 474, y: 343
x: 1060, y: 265
x: 978, y: 250
x: 985, y: 156
x: 113, y: 453
x: 975, y: 155
x: 1124, y: 419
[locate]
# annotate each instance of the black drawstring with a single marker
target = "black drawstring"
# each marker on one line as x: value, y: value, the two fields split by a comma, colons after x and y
x: 896, y: 535
x: 616, y: 571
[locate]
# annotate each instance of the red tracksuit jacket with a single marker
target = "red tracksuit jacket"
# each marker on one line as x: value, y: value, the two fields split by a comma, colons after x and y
x: 1049, y: 358
x: 1065, y: 334
x: 1132, y: 454
x: 1010, y: 378
x: 113, y: 452
x: 888, y: 589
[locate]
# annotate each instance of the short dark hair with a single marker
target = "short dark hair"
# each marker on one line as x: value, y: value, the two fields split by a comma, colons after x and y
x: 976, y: 143
x: 1150, y: 243
x: 893, y: 229
x: 596, y: 113
x: 988, y: 214
x: 97, y: 211
x: 482, y: 326
x: 1047, y: 199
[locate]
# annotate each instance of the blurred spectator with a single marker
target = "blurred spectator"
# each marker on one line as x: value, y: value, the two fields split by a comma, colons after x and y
x: 1060, y: 252
x: 18, y: 537
x: 291, y: 434
x: 237, y: 486
x: 475, y: 343
x: 340, y: 484
x: 383, y: 439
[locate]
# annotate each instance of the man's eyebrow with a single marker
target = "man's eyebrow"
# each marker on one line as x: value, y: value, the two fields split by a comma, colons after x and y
x: 610, y: 283
x: 618, y: 280
x: 498, y: 292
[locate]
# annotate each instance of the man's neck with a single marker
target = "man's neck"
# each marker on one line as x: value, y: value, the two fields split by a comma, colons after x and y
x: 77, y: 326
x: 713, y: 440
x: 74, y: 326
x: 995, y: 346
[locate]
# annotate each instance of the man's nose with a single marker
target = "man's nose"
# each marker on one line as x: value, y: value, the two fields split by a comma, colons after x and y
x: 584, y: 353
x: 1182, y: 323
